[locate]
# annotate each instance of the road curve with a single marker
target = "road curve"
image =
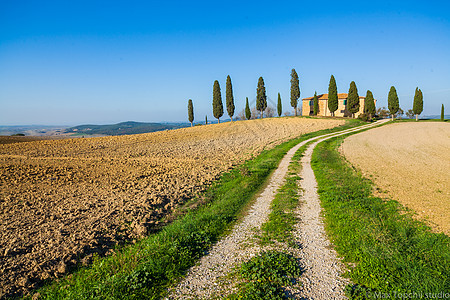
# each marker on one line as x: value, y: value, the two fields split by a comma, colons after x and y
x: 321, y: 279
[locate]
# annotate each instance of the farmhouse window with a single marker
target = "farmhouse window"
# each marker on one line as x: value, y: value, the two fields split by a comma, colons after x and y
x: 345, y: 102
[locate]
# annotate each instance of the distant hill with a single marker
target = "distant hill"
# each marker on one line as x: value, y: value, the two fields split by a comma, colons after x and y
x: 124, y: 128
x: 32, y: 130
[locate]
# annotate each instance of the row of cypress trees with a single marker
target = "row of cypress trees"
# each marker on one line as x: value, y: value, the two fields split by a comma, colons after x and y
x: 369, y: 102
x: 352, y: 99
x: 353, y: 103
x: 217, y: 99
x: 394, y: 106
x: 261, y: 99
x: 217, y: 102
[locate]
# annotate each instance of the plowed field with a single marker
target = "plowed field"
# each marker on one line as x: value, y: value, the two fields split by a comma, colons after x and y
x: 62, y: 201
x: 21, y: 139
x: 411, y: 162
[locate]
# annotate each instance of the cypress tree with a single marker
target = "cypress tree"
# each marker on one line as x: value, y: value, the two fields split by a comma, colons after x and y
x: 332, y: 96
x: 261, y: 98
x: 418, y: 103
x: 230, y: 98
x: 217, y: 101
x: 316, y: 104
x: 442, y: 112
x: 279, y: 107
x: 191, y: 112
x: 206, y: 120
x: 369, y: 104
x: 393, y: 104
x: 295, y: 90
x: 353, y: 99
x: 248, y: 113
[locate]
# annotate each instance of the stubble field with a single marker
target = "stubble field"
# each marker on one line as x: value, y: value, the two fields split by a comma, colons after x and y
x: 411, y: 162
x: 63, y: 201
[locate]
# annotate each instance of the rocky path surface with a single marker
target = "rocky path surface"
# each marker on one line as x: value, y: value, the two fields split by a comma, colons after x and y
x: 321, y: 279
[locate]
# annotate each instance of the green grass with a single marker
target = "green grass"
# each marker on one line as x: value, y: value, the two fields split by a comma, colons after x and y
x: 265, y: 275
x: 389, y: 252
x: 146, y: 269
x: 282, y: 218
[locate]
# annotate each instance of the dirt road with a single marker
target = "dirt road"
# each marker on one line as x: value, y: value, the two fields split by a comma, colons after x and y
x: 321, y: 279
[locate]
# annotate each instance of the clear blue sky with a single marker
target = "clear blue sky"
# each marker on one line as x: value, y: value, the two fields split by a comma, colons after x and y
x: 77, y: 62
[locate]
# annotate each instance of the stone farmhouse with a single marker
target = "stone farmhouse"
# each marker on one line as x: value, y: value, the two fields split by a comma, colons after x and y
x: 308, y: 106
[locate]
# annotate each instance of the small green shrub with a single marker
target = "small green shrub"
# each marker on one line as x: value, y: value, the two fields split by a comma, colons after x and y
x: 364, y: 117
x: 265, y: 275
x: 244, y: 171
x: 271, y: 266
x: 357, y: 292
x: 259, y: 291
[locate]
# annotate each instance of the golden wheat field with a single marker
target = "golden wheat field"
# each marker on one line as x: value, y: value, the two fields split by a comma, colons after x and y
x: 63, y: 200
x: 411, y: 162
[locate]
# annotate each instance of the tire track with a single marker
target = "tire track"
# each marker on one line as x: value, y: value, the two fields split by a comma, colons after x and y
x: 322, y: 277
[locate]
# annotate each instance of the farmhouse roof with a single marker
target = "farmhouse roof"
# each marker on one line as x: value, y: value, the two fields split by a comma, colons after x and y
x: 325, y: 97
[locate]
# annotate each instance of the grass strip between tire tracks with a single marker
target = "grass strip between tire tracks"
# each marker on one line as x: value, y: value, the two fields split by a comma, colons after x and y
x: 267, y: 275
x: 389, y: 253
x: 282, y: 217
x: 145, y: 270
